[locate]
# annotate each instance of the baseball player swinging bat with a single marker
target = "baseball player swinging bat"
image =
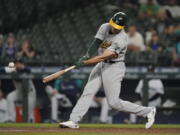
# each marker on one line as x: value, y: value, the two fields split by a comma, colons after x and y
x: 108, y: 73
x: 57, y: 74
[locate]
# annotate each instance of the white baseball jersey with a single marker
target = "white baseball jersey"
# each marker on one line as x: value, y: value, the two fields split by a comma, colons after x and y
x: 114, y: 42
x: 154, y: 86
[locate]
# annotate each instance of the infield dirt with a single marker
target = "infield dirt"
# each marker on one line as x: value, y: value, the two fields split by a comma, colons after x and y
x: 90, y: 130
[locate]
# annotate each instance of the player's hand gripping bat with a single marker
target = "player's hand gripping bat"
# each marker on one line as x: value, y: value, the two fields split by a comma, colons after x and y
x: 57, y: 74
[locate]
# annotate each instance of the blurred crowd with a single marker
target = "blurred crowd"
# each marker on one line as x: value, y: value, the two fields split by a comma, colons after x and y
x: 11, y: 48
x: 153, y: 29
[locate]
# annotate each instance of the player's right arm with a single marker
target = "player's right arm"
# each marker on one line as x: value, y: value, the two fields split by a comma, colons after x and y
x: 106, y: 55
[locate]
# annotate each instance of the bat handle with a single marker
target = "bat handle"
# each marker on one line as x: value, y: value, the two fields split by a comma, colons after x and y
x: 70, y: 68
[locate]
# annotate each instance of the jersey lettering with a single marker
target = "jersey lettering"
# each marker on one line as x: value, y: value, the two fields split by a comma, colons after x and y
x: 105, y: 44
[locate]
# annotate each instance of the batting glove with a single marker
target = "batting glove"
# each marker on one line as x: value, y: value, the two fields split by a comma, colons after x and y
x: 80, y: 63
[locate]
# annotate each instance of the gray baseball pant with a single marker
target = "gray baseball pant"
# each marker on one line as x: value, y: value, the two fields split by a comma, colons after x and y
x: 108, y: 76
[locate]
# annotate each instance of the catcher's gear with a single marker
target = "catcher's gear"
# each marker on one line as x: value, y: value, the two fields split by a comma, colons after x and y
x: 118, y: 20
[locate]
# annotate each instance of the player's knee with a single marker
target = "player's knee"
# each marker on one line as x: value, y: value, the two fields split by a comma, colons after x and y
x: 87, y: 95
x: 115, y: 104
x: 112, y: 103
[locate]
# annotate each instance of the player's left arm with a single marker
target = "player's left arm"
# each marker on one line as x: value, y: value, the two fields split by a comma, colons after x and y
x: 93, y: 47
x: 90, y: 52
x: 106, y: 55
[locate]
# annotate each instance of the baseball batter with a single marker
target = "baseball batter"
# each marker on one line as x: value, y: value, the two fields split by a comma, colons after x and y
x: 108, y: 73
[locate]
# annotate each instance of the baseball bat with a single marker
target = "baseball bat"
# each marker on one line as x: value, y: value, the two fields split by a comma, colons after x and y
x: 57, y: 74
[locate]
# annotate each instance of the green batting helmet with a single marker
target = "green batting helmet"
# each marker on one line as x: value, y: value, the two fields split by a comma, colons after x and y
x: 118, y: 20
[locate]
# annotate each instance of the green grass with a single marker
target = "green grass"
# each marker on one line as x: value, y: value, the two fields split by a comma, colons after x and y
x: 82, y: 134
x: 26, y: 125
x: 38, y: 125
